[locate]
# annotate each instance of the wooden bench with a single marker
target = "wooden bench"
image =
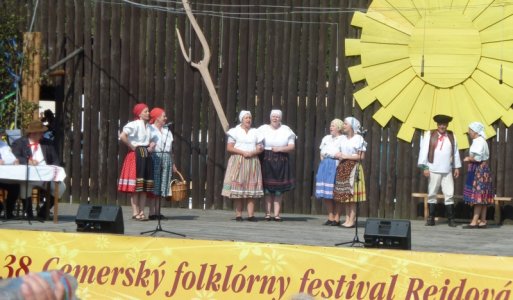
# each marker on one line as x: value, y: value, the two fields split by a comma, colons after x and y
x: 424, y: 196
x: 498, y: 200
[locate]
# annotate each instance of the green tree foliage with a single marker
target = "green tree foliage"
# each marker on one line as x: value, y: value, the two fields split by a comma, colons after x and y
x: 11, y: 63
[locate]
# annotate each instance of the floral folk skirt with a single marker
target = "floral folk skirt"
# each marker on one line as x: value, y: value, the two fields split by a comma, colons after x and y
x: 479, y: 184
x: 349, y: 184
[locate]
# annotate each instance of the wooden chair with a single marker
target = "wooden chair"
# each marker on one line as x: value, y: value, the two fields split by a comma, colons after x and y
x: 3, y: 196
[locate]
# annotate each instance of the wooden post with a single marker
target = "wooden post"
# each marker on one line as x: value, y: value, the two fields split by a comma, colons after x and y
x: 31, y: 87
x: 202, y: 65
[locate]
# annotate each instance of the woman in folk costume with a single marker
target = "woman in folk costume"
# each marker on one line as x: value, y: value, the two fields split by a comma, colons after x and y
x: 325, y: 178
x: 478, y: 190
x: 137, y: 174
x: 279, y: 141
x: 350, y: 182
x: 162, y: 158
x: 243, y: 177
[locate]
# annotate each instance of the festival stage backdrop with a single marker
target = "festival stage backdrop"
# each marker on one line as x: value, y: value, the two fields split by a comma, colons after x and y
x: 124, y: 267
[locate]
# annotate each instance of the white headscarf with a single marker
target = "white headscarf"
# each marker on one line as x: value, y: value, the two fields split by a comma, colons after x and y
x: 276, y: 112
x: 477, y: 128
x: 355, y: 124
x: 243, y: 113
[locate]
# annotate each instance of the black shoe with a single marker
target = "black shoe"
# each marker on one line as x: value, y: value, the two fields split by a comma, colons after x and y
x: 335, y: 223
x: 238, y: 219
x: 430, y: 221
x: 278, y: 219
x: 328, y: 223
x: 152, y: 217
x: 268, y: 217
x: 470, y: 227
x: 252, y: 219
x: 452, y: 223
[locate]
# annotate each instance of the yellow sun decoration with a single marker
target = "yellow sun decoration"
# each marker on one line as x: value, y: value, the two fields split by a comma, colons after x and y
x: 423, y: 58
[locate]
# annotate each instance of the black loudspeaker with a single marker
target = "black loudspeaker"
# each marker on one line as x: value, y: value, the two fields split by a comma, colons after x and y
x: 391, y: 234
x: 100, y: 218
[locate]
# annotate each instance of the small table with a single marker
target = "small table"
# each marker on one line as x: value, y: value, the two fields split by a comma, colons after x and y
x: 18, y: 173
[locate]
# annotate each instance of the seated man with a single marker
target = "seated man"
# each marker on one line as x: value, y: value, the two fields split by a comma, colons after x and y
x: 34, y: 150
x: 13, y: 189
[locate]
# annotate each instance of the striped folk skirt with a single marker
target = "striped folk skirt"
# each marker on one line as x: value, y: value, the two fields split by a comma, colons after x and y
x: 137, y: 172
x: 243, y: 178
x: 349, y: 188
x: 276, y: 173
x: 325, y: 178
x: 478, y: 187
x: 162, y: 173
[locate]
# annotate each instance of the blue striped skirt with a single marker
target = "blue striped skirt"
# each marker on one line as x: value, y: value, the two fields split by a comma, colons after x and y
x: 325, y: 178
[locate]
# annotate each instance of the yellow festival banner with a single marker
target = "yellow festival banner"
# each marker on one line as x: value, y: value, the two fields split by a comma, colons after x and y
x: 126, y: 267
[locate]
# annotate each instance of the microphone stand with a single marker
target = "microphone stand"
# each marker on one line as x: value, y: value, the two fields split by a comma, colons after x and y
x: 25, y: 201
x: 161, y: 167
x: 356, y: 239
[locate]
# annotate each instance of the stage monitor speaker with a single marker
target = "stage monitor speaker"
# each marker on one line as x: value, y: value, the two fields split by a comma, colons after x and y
x: 100, y: 218
x: 391, y: 234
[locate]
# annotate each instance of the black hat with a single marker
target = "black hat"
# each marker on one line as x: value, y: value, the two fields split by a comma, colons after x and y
x: 442, y: 119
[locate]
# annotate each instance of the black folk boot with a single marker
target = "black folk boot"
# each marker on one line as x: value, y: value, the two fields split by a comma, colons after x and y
x: 431, y: 219
x: 449, y: 211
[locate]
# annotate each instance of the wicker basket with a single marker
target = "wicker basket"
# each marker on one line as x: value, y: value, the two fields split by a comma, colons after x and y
x: 179, y: 188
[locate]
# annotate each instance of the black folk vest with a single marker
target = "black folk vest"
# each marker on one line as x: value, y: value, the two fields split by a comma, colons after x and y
x: 433, y: 141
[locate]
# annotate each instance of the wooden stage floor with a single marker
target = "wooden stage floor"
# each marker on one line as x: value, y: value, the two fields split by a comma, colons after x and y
x: 296, y: 230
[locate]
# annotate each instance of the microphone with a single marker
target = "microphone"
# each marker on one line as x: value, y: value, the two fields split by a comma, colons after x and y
x: 500, y: 75
x: 168, y: 125
x: 422, y: 67
x: 28, y: 152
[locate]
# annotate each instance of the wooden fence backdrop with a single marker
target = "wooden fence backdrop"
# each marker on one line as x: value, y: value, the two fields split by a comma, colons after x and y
x: 264, y: 56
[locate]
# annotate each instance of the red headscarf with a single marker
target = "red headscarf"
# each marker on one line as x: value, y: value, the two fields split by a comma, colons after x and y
x: 155, y: 113
x: 138, y: 109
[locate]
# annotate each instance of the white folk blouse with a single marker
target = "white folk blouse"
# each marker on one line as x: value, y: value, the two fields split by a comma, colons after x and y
x: 479, y: 149
x: 138, y: 133
x: 330, y: 146
x: 163, y: 139
x: 352, y: 145
x: 245, y: 141
x: 280, y: 137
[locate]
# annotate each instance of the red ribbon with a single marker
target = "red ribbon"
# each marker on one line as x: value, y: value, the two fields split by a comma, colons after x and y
x: 441, y: 139
x: 34, y: 147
